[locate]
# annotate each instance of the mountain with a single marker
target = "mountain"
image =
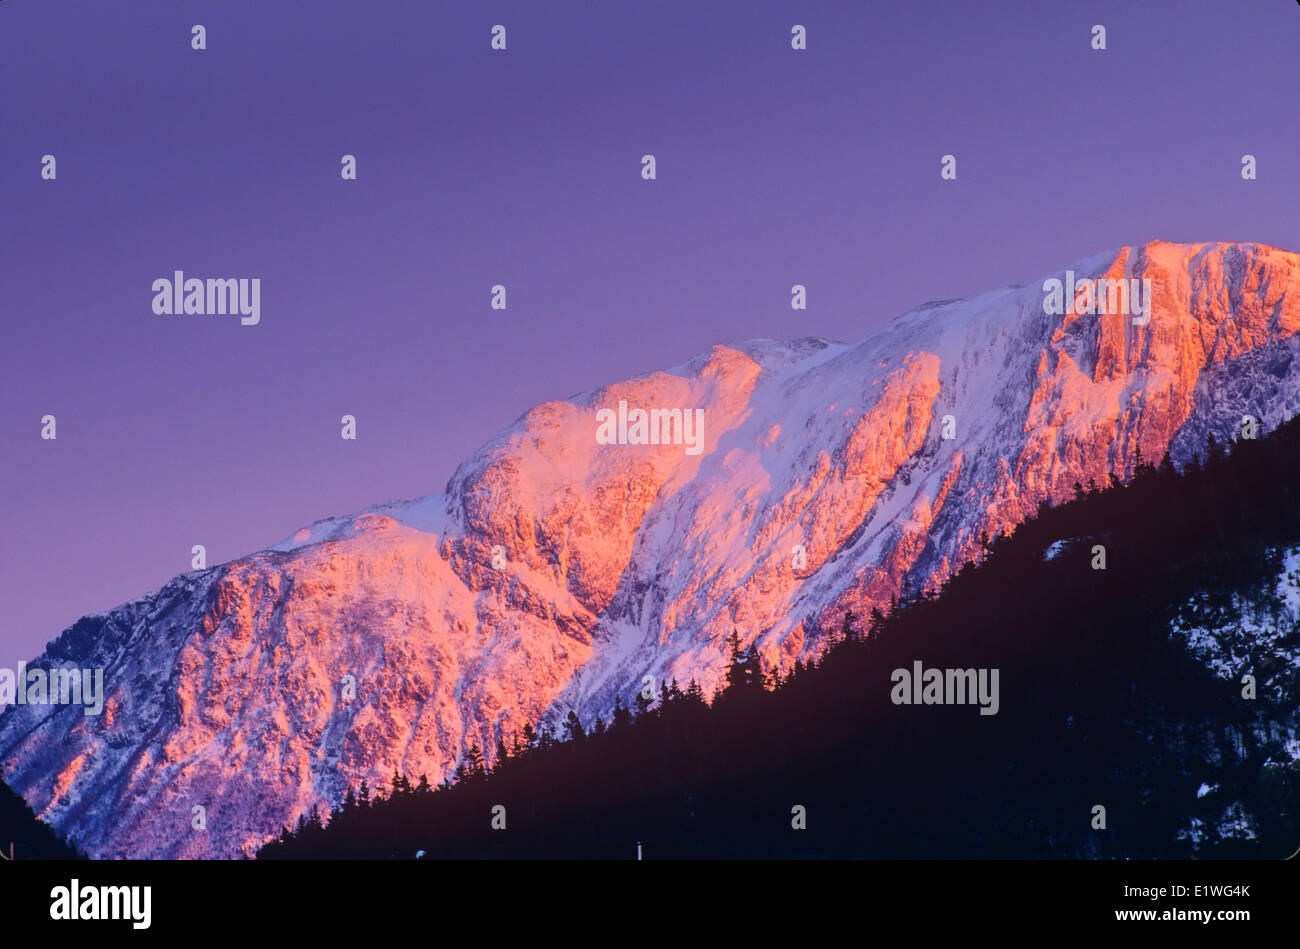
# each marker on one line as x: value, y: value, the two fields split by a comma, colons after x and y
x: 226, y: 688
x: 1148, y: 709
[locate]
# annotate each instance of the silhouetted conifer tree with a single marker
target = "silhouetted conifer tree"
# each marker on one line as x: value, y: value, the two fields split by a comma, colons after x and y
x: 642, y: 704
x: 574, y: 727
x: 622, y: 717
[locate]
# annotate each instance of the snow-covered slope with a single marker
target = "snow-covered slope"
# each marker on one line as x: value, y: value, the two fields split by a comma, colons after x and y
x: 1249, y: 630
x: 226, y: 688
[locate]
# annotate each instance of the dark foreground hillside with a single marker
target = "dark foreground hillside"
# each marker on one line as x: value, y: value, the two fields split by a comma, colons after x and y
x: 30, y: 838
x: 1100, y: 705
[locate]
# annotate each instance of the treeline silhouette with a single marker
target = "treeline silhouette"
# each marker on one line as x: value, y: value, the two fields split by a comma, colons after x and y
x: 1099, y: 705
x: 25, y: 835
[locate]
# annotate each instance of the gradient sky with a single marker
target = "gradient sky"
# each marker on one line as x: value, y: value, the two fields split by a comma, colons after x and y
x: 476, y: 167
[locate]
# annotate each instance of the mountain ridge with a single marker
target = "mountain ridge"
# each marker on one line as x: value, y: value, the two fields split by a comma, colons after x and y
x: 618, y: 562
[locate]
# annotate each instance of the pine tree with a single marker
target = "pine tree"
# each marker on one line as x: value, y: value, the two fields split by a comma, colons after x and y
x: 735, y: 660
x: 733, y: 651
x: 364, y: 798
x: 744, y: 670
x: 877, y: 619
x: 474, y: 761
x: 622, y: 717
x: 642, y: 706
x: 1213, y: 450
x: 574, y: 727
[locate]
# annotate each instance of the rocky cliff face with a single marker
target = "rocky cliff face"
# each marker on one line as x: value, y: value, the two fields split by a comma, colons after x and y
x: 556, y: 571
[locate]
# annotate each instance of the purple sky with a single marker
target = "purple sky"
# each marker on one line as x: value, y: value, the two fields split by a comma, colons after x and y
x: 775, y: 167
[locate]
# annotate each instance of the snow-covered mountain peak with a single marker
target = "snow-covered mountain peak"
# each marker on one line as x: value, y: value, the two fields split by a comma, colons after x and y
x: 567, y: 559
